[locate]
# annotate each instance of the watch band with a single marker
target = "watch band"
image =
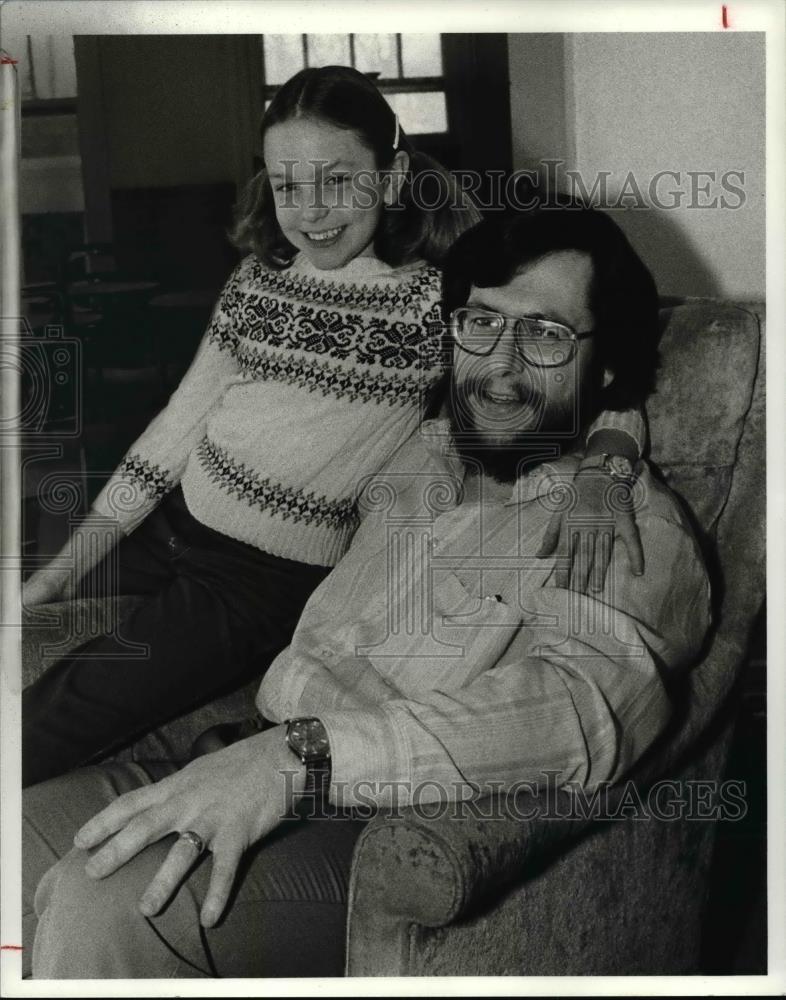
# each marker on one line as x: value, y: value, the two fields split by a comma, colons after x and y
x: 307, y: 739
x: 318, y: 779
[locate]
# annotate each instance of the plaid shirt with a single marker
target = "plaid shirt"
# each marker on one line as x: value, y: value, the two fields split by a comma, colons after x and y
x: 444, y: 662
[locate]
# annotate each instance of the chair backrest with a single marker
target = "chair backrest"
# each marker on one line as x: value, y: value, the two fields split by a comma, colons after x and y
x: 707, y: 427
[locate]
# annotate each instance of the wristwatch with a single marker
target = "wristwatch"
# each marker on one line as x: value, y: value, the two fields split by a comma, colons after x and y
x: 616, y: 466
x: 308, y: 741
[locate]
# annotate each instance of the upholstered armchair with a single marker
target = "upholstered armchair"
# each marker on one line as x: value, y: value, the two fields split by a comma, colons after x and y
x: 531, y: 886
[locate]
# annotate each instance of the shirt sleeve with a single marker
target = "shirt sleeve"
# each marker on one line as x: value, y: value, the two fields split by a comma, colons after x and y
x: 155, y: 463
x: 579, y: 696
x: 631, y: 422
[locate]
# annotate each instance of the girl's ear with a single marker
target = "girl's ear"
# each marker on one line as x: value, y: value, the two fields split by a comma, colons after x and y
x: 608, y: 377
x: 395, y: 177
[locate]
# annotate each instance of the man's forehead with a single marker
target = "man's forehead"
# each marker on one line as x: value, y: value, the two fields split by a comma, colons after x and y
x: 558, y: 283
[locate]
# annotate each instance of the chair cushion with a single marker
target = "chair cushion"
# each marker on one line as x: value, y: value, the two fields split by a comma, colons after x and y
x: 709, y: 359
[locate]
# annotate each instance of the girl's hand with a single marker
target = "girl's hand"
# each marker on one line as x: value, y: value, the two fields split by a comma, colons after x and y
x: 46, y: 586
x: 231, y: 799
x: 584, y: 535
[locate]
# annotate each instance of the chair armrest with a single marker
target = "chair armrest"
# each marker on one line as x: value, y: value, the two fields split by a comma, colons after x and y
x: 413, y: 868
x: 435, y: 868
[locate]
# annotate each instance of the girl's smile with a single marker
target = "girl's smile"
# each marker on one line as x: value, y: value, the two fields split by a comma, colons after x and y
x: 326, y: 237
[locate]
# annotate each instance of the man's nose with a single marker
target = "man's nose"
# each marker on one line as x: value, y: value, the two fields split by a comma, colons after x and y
x: 506, y: 355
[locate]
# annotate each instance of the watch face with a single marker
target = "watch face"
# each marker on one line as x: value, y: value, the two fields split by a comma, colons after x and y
x: 308, y: 738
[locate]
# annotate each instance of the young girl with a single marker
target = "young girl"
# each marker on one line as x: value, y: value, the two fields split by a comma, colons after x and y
x: 239, y: 497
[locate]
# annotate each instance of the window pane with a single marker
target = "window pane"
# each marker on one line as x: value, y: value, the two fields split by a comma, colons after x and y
x: 421, y: 55
x: 328, y: 50
x: 46, y: 64
x: 376, y: 54
x: 420, y: 113
x: 283, y: 57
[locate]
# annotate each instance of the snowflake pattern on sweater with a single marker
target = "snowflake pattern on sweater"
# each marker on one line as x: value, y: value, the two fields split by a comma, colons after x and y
x: 373, y: 335
x: 256, y: 491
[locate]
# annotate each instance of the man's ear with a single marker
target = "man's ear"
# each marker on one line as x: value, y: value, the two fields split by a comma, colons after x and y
x: 395, y: 176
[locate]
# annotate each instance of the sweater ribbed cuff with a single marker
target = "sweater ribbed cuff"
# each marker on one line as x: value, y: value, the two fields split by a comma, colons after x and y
x: 630, y: 422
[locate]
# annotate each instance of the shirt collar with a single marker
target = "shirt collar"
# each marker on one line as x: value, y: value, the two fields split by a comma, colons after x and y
x: 545, y: 482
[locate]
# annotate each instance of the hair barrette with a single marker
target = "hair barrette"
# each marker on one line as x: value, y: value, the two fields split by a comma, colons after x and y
x: 395, y: 137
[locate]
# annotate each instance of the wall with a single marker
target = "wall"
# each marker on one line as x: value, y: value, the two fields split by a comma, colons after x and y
x: 653, y: 102
x: 178, y: 109
x: 537, y: 98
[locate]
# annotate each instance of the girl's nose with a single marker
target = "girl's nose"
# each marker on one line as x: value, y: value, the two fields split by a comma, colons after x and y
x: 313, y: 213
x: 315, y: 206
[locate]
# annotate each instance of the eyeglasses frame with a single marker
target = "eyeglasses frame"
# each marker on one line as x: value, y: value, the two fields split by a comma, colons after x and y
x: 573, y: 337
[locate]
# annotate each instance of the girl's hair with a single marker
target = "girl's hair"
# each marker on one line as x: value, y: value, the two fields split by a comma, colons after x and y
x: 431, y: 211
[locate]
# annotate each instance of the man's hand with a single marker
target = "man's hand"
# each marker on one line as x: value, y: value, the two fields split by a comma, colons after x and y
x: 584, y: 535
x: 231, y: 799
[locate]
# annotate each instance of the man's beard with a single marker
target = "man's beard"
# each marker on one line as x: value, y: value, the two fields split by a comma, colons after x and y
x: 551, y: 436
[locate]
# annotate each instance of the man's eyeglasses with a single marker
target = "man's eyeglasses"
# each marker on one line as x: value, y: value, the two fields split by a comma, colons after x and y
x: 541, y: 342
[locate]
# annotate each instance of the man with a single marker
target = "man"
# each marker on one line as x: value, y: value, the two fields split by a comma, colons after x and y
x: 440, y: 660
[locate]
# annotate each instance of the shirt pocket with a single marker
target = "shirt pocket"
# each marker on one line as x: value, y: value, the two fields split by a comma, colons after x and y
x: 482, y: 625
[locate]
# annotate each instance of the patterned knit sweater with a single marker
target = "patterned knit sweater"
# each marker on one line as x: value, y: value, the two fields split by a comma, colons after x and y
x: 306, y: 381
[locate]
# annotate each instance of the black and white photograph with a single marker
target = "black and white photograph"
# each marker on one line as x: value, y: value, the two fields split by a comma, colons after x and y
x: 384, y: 498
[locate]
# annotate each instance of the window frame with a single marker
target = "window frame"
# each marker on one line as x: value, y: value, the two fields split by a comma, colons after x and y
x: 387, y: 85
x: 36, y: 106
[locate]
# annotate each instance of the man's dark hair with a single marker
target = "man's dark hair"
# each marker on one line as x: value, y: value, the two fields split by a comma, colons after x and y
x: 623, y: 296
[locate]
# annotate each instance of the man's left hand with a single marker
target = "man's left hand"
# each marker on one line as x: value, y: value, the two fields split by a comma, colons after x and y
x: 230, y: 799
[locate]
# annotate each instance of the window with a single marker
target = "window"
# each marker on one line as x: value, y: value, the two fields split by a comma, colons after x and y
x: 408, y: 69
x: 51, y: 178
x: 47, y: 71
x: 51, y: 192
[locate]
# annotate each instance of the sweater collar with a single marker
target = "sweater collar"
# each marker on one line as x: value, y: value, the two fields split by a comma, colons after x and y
x: 357, y: 269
